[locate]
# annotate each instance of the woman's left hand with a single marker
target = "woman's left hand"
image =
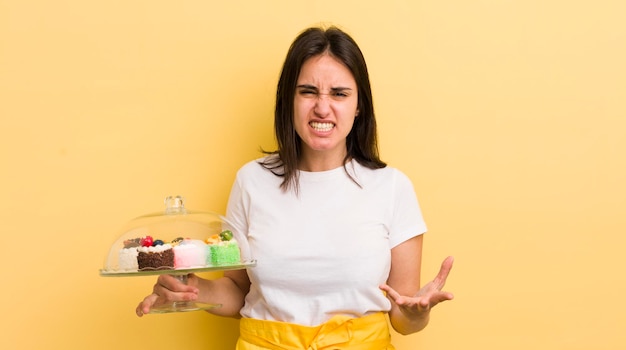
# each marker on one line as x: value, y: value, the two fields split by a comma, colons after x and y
x: 427, y: 297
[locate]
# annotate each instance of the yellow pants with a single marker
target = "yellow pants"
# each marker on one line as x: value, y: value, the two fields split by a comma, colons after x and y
x: 339, y: 333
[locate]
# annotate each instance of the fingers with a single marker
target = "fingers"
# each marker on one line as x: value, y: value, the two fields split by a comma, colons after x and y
x: 167, y: 289
x: 443, y: 296
x: 430, y: 301
x: 440, y: 281
x: 444, y: 271
x: 424, y: 302
x: 391, y: 293
x: 171, y: 283
x: 144, y: 307
x: 410, y: 305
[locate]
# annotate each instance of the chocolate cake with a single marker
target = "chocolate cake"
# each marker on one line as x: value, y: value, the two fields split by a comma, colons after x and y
x: 155, y: 258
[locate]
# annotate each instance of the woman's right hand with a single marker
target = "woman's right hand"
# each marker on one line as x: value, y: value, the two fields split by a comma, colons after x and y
x: 168, y: 289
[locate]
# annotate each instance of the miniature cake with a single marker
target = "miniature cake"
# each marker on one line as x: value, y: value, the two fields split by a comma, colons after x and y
x: 128, y: 255
x: 128, y: 259
x: 224, y: 250
x: 154, y: 254
x: 190, y: 253
x: 141, y: 254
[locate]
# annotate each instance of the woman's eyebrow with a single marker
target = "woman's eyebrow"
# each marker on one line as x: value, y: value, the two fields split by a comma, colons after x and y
x: 306, y: 86
x: 333, y: 89
x: 340, y: 88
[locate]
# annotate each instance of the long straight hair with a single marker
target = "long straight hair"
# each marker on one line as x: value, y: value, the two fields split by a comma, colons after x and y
x: 361, y: 143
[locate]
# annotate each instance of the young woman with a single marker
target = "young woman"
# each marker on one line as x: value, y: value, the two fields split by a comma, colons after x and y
x: 336, y: 233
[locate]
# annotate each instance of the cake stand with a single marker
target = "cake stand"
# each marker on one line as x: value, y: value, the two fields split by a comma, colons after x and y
x: 175, y: 222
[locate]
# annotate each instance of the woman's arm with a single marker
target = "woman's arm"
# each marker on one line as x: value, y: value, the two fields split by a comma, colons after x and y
x: 229, y: 291
x: 410, y: 304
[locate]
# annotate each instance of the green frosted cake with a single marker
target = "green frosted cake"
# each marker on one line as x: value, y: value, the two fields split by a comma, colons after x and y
x: 223, y: 250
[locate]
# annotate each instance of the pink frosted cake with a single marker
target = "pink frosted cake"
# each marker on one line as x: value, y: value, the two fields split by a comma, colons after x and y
x: 190, y: 253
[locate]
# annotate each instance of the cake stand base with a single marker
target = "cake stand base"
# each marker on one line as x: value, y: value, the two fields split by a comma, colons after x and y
x: 182, y: 306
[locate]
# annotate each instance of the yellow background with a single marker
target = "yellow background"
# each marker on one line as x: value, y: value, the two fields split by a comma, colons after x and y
x: 509, y: 117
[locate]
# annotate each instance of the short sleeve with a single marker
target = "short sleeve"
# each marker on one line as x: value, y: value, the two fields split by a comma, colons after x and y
x: 236, y: 214
x: 406, y: 216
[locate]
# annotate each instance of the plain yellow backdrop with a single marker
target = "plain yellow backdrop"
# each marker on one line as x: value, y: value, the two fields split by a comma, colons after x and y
x: 508, y: 116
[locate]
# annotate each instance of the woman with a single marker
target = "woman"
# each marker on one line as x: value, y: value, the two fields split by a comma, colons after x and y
x: 336, y: 233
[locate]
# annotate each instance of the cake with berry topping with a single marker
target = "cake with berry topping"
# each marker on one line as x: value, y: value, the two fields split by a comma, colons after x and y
x: 154, y: 255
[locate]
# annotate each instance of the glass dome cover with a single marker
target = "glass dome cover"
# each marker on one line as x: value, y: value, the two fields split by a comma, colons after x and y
x: 166, y: 230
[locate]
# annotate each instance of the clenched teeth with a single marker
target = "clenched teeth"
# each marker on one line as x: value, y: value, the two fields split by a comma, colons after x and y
x: 321, y: 126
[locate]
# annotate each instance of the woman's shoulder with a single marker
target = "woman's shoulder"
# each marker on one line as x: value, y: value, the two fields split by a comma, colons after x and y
x: 257, y: 167
x: 385, y: 171
x: 388, y: 174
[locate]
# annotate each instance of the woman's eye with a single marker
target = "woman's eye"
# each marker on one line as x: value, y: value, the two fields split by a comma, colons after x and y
x: 308, y: 92
x: 338, y: 94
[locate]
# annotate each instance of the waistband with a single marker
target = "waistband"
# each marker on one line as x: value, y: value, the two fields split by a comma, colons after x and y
x: 340, y: 332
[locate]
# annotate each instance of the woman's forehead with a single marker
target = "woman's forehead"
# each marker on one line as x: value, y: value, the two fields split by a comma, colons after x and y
x: 326, y: 70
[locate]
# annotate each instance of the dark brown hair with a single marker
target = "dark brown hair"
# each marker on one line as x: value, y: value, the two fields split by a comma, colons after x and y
x: 361, y: 142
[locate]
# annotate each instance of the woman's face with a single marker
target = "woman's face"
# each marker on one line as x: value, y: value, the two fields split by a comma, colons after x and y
x: 325, y: 106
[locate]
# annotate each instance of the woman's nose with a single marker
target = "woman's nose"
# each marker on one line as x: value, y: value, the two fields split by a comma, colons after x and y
x: 322, y: 105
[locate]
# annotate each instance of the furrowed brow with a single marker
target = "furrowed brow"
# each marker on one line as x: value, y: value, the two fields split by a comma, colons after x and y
x: 306, y: 86
x: 340, y: 89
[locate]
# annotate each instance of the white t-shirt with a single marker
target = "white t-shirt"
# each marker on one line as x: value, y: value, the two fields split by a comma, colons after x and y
x: 325, y: 251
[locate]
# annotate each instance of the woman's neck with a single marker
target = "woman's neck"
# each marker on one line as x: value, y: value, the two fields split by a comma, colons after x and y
x: 321, y: 161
